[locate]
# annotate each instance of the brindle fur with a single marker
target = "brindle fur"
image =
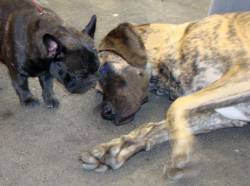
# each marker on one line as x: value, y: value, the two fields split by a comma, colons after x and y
x: 206, y: 64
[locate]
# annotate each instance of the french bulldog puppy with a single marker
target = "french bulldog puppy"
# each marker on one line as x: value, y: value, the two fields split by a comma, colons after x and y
x: 34, y: 42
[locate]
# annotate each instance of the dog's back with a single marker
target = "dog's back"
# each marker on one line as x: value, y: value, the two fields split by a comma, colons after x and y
x: 200, y: 52
x: 218, y: 36
x: 211, y: 46
x: 19, y: 18
x: 7, y: 10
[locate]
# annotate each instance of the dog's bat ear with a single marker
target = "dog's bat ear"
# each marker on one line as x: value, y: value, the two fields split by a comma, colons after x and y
x: 91, y: 27
x: 52, y: 45
x: 127, y: 43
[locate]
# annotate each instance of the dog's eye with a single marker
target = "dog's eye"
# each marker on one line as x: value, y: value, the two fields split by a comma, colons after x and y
x: 81, y: 74
x: 141, y: 74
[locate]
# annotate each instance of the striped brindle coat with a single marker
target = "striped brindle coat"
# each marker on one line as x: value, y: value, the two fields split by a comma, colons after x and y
x: 203, y: 66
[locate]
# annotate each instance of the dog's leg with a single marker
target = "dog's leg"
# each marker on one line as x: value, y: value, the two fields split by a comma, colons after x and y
x: 46, y: 82
x: 232, y: 88
x: 115, y: 153
x: 20, y: 83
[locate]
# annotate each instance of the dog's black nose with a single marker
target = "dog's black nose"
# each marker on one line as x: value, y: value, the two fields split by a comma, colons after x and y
x: 71, y: 87
x: 108, y: 111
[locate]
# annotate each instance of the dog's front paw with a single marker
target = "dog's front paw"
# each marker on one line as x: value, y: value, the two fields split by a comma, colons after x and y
x: 181, y: 158
x: 52, y: 103
x: 30, y: 102
x: 110, y: 155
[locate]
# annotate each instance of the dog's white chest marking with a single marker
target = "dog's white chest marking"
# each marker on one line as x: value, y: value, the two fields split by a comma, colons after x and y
x: 233, y: 113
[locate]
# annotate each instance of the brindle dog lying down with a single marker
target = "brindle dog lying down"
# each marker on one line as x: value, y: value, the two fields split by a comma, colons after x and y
x: 203, y: 66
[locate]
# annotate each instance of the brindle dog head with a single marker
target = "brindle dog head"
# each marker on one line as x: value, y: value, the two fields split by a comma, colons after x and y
x: 123, y: 78
x: 74, y: 58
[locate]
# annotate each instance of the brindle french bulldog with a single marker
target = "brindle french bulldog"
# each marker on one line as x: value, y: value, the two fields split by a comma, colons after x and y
x: 203, y: 66
x: 35, y: 43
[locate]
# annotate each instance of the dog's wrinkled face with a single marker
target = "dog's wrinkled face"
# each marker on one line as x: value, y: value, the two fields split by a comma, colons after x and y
x: 124, y: 88
x: 75, y: 59
x: 124, y: 74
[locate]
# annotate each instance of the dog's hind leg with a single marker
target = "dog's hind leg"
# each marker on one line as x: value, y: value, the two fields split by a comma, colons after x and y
x: 231, y: 89
x: 20, y: 83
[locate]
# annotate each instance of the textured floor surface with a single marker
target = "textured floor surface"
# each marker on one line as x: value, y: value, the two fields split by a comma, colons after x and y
x: 40, y: 148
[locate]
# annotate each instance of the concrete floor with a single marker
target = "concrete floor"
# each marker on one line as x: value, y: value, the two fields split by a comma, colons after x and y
x: 40, y: 147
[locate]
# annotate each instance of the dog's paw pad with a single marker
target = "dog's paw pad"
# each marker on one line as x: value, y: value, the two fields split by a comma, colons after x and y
x: 110, y: 155
x: 89, y: 161
x: 88, y: 158
x: 98, y: 152
x: 102, y: 168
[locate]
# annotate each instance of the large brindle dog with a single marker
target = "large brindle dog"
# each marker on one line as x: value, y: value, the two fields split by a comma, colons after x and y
x: 203, y: 66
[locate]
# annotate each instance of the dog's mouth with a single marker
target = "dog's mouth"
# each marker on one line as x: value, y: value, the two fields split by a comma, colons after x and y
x: 108, y: 112
x: 81, y: 86
x: 117, y: 120
x: 75, y: 84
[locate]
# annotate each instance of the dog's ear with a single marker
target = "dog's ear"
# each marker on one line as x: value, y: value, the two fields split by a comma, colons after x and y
x: 124, y: 41
x: 91, y: 27
x: 52, y: 45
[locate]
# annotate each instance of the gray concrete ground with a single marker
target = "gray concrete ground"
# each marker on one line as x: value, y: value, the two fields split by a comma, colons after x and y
x: 40, y: 147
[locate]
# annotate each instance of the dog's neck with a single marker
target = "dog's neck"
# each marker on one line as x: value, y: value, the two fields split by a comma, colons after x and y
x: 163, y: 43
